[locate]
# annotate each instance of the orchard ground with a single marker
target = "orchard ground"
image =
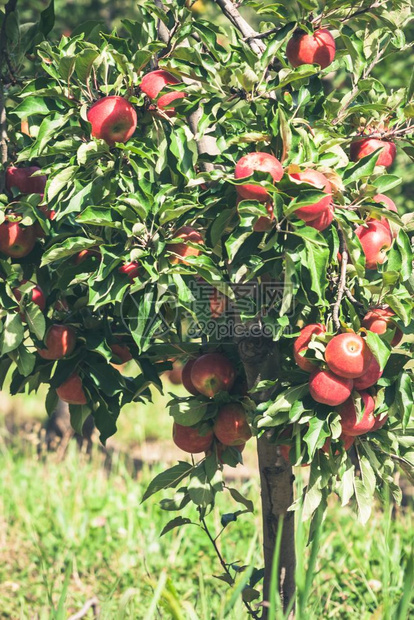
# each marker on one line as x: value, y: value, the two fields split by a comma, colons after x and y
x: 73, y: 528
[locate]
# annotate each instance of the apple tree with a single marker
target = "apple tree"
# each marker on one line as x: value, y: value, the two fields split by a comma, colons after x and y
x: 217, y: 196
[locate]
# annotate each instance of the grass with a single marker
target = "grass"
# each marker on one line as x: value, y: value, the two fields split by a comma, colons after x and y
x: 72, y: 529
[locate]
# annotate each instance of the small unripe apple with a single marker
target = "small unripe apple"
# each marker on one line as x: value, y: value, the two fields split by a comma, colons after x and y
x: 16, y: 241
x: 60, y: 341
x: 23, y: 181
x: 262, y: 162
x: 189, y: 439
x: 391, y: 206
x: 376, y: 240
x: 186, y: 377
x: 113, y: 119
x: 300, y: 345
x: 366, y: 146
x: 318, y: 180
x: 71, y: 391
x: 37, y: 295
x: 309, y: 49
x: 212, y: 373
x: 323, y: 220
x: 349, y: 422
x: 121, y: 351
x: 183, y: 249
x: 329, y: 389
x: 379, y: 320
x: 231, y: 426
x: 130, y: 269
x: 370, y: 377
x: 348, y: 355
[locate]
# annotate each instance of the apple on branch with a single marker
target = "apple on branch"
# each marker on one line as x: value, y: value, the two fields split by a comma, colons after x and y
x: 71, y: 391
x: 376, y: 240
x: 309, y: 49
x: 113, y: 119
x: 349, y: 419
x: 212, y: 373
x: 300, y: 345
x: 182, y: 249
x: 231, y: 426
x: 154, y: 82
x: 261, y: 162
x: 22, y: 180
x: 16, y: 241
x: 319, y: 181
x: 190, y: 439
x: 328, y: 388
x: 379, y: 320
x: 35, y: 294
x: 60, y: 341
x: 365, y: 146
x: 348, y: 355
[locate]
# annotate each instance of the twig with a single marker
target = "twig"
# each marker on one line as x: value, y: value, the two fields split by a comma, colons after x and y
x: 204, y: 525
x: 352, y: 298
x: 92, y: 603
x: 375, y: 5
x: 240, y: 23
x: 342, y: 280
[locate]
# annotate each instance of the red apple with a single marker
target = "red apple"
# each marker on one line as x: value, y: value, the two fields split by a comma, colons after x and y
x: 371, y: 376
x: 365, y: 146
x: 301, y: 344
x: 186, y: 377
x: 348, y: 355
x: 263, y: 224
x: 71, y: 391
x: 309, y: 49
x: 327, y: 388
x: 379, y: 422
x: 379, y: 320
x: 212, y: 373
x: 113, y: 119
x: 231, y: 426
x: 187, y: 234
x: 121, y: 351
x: 262, y: 162
x: 130, y: 269
x: 323, y: 220
x: 189, y: 439
x: 376, y: 240
x: 391, y: 206
x: 318, y: 180
x: 36, y: 294
x: 22, y: 180
x: 60, y: 340
x: 347, y: 440
x: 153, y: 82
x: 16, y: 241
x: 349, y: 423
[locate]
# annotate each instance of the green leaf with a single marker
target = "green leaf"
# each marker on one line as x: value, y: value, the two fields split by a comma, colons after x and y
x: 177, y: 522
x: 25, y: 361
x: 12, y: 334
x: 188, y: 413
x: 362, y: 169
x: 199, y: 487
x: 69, y: 247
x: 379, y: 348
x: 35, y: 320
x: 168, y: 479
x: 240, y: 499
x: 60, y: 181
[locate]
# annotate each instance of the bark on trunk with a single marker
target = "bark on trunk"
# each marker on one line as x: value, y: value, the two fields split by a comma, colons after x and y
x: 276, y: 481
x: 260, y: 359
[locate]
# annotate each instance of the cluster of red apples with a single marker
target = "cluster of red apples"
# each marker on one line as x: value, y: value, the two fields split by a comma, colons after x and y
x: 376, y: 236
x: 208, y: 375
x: 349, y: 366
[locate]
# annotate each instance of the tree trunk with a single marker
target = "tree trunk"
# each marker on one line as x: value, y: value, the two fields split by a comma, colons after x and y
x: 276, y: 481
x: 260, y: 360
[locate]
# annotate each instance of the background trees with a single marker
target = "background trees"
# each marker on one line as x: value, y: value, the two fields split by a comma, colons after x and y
x: 145, y: 220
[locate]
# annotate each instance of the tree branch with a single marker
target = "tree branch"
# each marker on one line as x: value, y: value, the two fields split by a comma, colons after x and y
x: 241, y: 24
x: 342, y: 280
x: 4, y: 61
